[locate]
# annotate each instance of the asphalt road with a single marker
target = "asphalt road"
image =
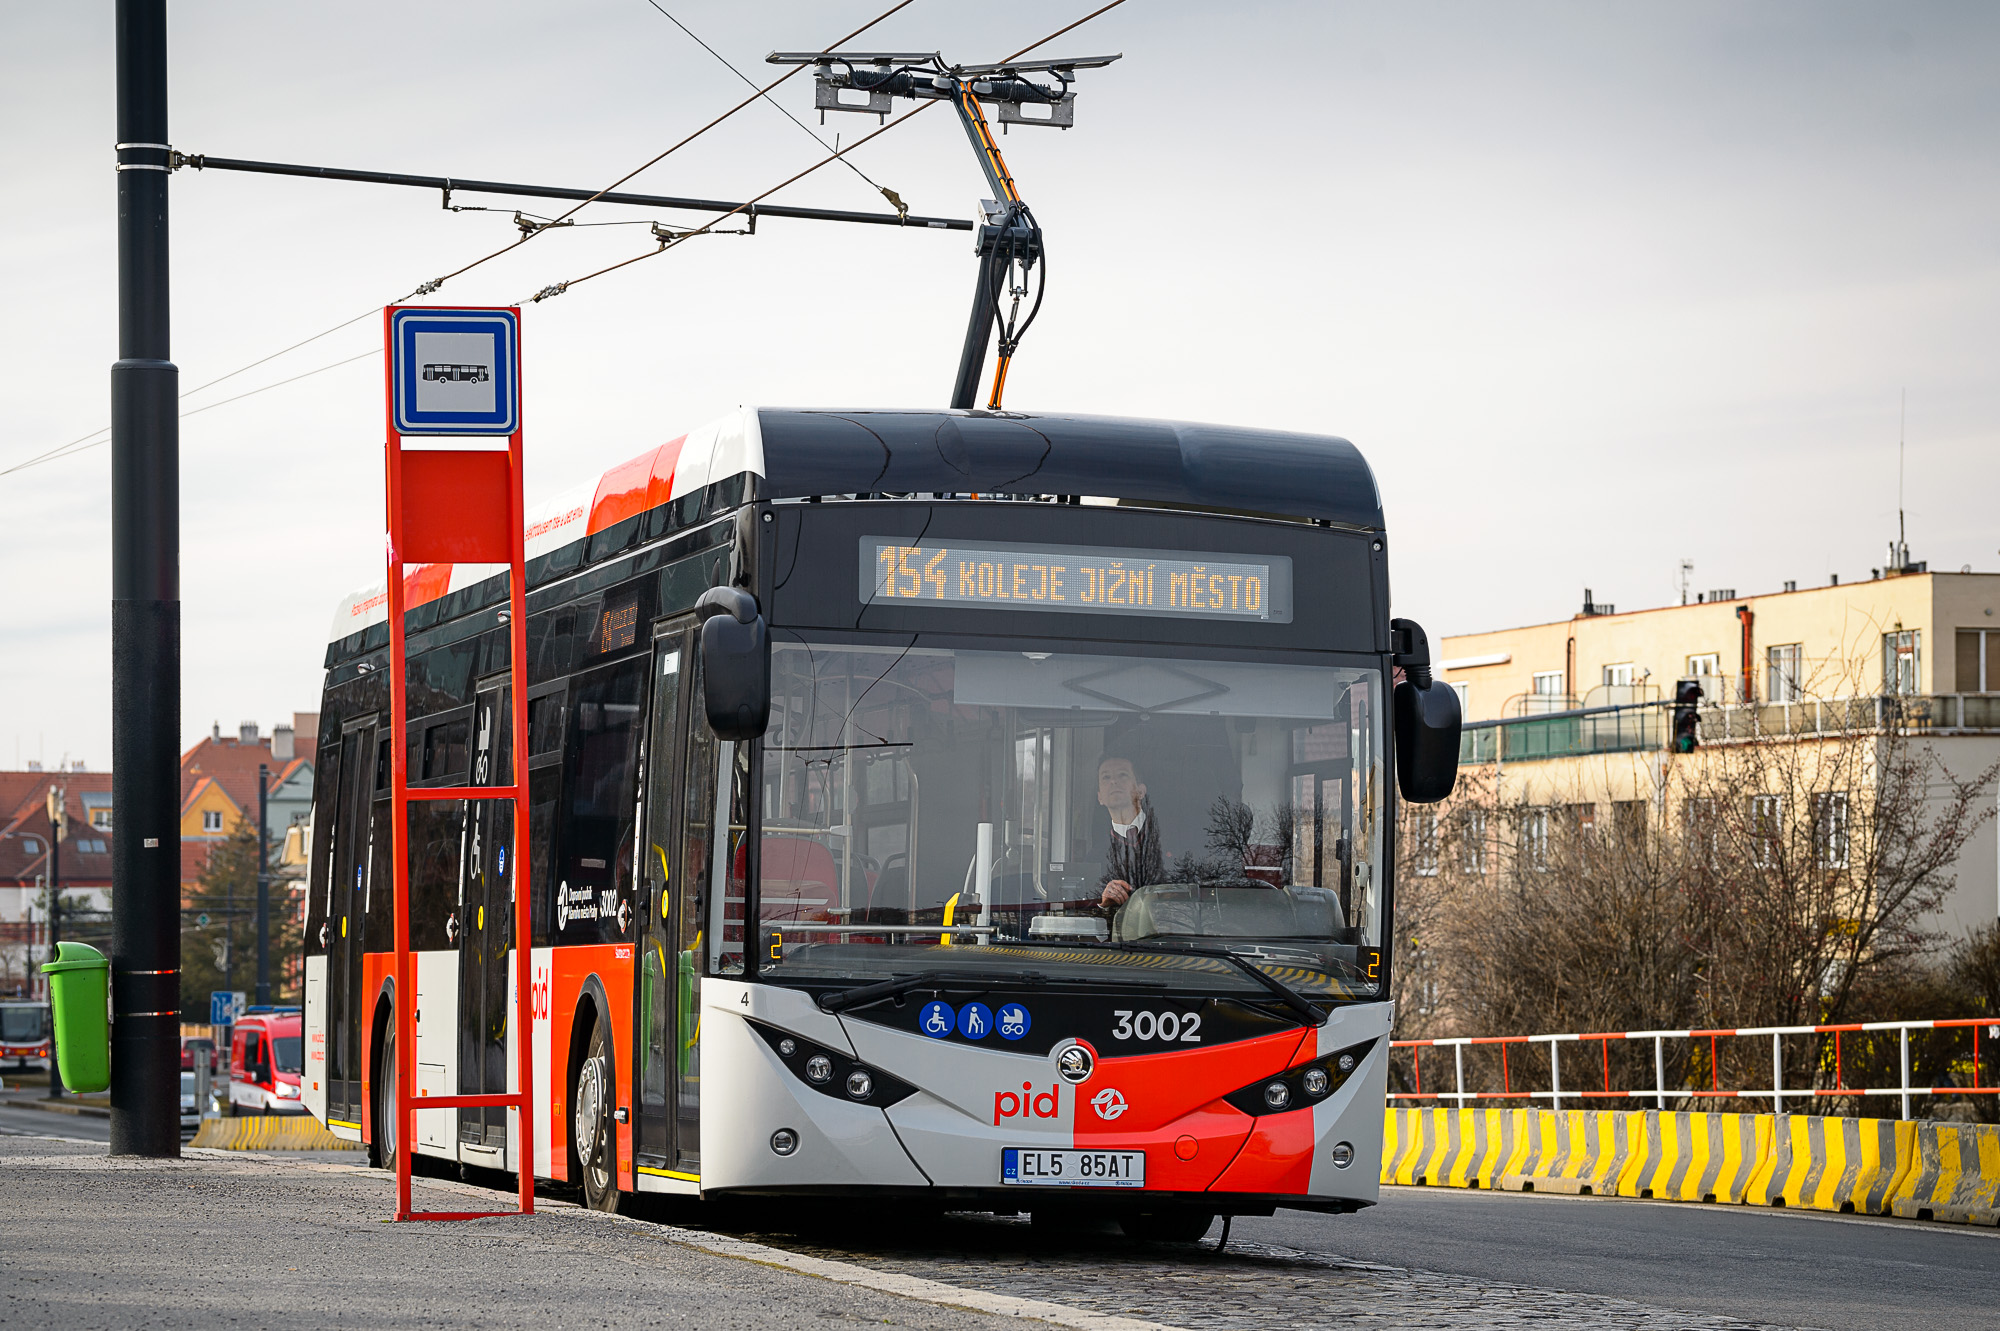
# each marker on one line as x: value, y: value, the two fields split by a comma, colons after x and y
x: 1786, y: 1268
x: 20, y: 1121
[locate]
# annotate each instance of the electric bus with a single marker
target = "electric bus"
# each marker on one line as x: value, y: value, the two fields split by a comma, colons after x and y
x: 987, y: 810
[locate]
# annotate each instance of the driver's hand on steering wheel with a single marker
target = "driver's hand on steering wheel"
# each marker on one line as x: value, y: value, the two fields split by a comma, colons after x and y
x: 1115, y: 893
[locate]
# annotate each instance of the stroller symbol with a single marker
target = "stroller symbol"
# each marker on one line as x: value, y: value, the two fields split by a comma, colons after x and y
x: 937, y: 1020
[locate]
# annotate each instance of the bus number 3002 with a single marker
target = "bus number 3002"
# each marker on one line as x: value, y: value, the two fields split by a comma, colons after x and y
x: 1183, y: 1027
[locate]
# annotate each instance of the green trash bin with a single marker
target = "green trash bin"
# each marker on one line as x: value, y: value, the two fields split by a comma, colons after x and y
x: 80, y: 996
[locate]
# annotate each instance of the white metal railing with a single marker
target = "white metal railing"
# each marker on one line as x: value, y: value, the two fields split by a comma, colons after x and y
x: 1660, y: 1092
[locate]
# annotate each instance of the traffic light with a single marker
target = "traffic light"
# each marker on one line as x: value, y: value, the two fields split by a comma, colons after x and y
x: 1687, y: 697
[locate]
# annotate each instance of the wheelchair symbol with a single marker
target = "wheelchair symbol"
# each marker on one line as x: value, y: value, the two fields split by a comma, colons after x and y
x: 937, y: 1020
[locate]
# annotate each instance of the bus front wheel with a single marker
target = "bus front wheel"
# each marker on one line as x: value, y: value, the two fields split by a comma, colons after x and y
x: 385, y: 1103
x: 592, y: 1130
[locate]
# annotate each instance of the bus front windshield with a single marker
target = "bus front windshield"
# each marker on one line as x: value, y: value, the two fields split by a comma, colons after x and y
x: 1075, y: 814
x: 24, y: 1023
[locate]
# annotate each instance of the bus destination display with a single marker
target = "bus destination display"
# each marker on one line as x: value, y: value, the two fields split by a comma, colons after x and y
x: 1091, y: 580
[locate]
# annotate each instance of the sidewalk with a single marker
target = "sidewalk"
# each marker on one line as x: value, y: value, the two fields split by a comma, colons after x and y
x: 224, y: 1239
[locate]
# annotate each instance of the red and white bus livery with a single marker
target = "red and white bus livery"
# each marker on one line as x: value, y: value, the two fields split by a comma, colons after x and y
x: 986, y: 808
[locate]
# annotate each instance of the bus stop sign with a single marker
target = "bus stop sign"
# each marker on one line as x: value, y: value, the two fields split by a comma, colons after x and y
x: 454, y: 371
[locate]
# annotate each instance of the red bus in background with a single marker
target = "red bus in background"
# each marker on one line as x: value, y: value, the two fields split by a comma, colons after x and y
x: 24, y: 1034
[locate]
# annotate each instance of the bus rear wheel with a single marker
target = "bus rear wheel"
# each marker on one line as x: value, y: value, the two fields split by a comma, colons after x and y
x: 1179, y: 1224
x: 594, y: 1135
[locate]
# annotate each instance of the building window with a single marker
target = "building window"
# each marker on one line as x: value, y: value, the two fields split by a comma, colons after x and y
x: 1830, y: 840
x: 1902, y: 661
x: 1619, y: 675
x: 1766, y: 825
x: 101, y: 818
x: 1701, y: 828
x: 1628, y: 823
x: 1707, y: 663
x: 1979, y: 661
x: 1786, y: 662
x: 1548, y: 684
x: 1472, y: 842
x: 1535, y: 839
x: 31, y: 845
x: 1426, y: 831
x: 211, y: 820
x: 1464, y: 692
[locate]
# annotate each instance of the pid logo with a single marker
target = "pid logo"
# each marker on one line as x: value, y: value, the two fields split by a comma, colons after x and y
x: 1026, y: 1104
x: 538, y: 996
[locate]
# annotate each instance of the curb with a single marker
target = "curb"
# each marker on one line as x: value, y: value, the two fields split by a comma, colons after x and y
x: 56, y: 1107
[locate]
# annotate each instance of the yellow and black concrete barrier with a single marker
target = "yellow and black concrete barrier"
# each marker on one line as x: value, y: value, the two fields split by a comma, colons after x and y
x: 1928, y: 1171
x: 270, y: 1132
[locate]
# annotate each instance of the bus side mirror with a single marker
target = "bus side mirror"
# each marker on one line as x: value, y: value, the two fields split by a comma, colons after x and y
x: 1427, y: 719
x: 735, y: 663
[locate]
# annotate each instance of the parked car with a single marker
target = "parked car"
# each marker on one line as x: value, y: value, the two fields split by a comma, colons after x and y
x: 266, y: 1059
x: 190, y: 1111
x: 192, y: 1046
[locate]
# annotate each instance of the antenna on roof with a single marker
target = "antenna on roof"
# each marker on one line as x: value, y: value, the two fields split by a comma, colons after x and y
x: 1902, y: 425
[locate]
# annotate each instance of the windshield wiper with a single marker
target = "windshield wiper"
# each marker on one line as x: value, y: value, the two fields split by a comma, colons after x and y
x: 1295, y: 1002
x: 863, y: 995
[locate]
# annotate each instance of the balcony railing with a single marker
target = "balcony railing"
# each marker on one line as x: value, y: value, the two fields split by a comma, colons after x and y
x: 1637, y: 727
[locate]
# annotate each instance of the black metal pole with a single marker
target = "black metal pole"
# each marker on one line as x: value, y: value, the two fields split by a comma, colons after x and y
x: 978, y: 332
x: 263, y: 884
x: 145, y: 615
x: 452, y: 184
x: 55, y: 941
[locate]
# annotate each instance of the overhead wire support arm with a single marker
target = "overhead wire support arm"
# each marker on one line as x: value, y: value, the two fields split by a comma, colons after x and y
x: 451, y: 184
x: 1009, y: 240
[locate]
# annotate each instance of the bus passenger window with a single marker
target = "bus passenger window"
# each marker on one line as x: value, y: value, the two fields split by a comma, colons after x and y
x: 593, y: 897
x: 545, y: 723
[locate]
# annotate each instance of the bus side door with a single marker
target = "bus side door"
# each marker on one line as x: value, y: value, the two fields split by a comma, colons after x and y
x: 668, y: 961
x: 486, y: 920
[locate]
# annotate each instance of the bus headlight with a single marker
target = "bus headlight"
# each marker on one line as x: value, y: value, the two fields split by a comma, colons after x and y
x: 1302, y: 1085
x: 819, y: 1069
x: 784, y: 1141
x: 859, y: 1084
x: 1343, y: 1154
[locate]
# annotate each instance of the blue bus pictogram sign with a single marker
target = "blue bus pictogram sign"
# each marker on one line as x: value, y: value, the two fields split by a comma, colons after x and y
x: 937, y: 1020
x: 454, y: 371
x: 975, y: 1020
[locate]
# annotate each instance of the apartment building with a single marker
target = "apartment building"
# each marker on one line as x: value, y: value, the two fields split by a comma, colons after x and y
x: 1585, y: 703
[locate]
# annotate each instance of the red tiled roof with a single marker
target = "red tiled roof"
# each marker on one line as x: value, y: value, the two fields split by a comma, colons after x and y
x: 194, y: 862
x: 232, y: 765
x: 24, y: 813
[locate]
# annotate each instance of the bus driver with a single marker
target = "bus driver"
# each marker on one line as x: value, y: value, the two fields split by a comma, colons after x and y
x: 1133, y: 859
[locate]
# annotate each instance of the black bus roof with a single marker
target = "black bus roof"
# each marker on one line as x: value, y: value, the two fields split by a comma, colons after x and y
x: 1274, y: 472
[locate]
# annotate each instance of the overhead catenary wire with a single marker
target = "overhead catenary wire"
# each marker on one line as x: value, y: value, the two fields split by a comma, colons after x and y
x: 558, y: 288
x: 80, y: 446
x: 895, y: 199
x: 92, y: 439
x: 435, y: 283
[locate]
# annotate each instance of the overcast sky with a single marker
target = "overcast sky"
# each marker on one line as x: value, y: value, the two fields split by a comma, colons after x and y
x: 1595, y: 288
